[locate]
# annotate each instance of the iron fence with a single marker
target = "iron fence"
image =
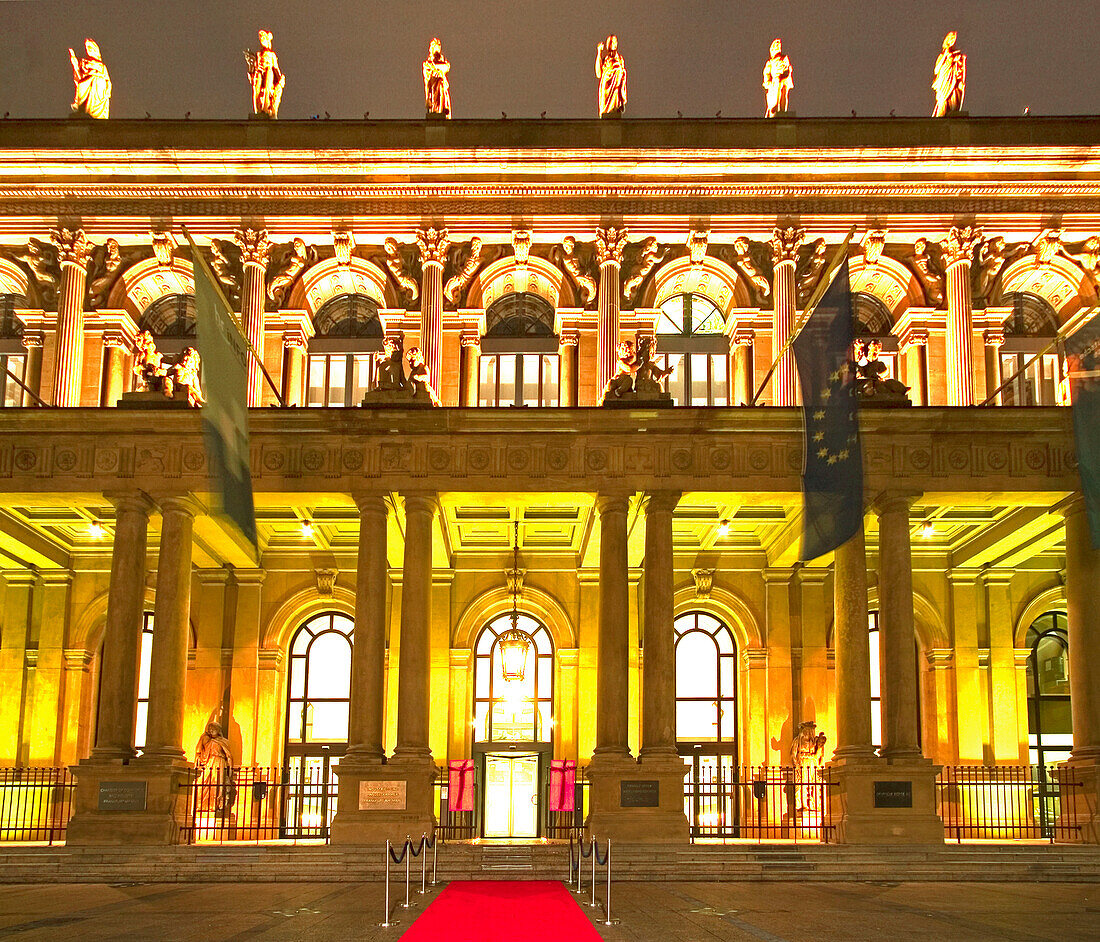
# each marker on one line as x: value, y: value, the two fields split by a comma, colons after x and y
x: 1008, y: 802
x: 35, y: 804
x: 569, y: 825
x: 452, y: 824
x: 724, y: 801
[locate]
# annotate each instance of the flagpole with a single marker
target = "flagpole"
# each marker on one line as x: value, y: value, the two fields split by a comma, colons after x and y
x: 197, y: 259
x: 819, y: 292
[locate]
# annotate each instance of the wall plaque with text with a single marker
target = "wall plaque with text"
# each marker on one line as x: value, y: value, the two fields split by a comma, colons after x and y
x: 122, y: 796
x: 635, y: 793
x: 893, y: 794
x: 382, y: 796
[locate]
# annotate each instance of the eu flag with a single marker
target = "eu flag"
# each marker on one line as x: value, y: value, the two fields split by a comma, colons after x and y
x: 1083, y: 373
x: 832, y: 475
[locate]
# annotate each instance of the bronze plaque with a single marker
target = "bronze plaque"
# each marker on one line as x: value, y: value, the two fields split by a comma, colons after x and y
x: 382, y: 796
x: 893, y: 794
x: 634, y: 793
x: 122, y: 796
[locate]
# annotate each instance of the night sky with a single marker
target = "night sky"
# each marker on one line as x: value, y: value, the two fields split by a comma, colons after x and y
x: 169, y: 57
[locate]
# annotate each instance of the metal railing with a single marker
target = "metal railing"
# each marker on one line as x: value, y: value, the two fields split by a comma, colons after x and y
x: 1008, y: 802
x: 35, y: 804
x: 406, y: 855
x: 576, y: 866
x: 730, y: 802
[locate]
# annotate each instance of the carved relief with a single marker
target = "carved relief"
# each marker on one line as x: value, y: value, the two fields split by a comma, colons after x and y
x: 343, y: 244
x: 928, y: 273
x: 521, y: 245
x: 610, y: 243
x: 41, y: 260
x: 704, y: 582
x: 993, y: 257
x: 697, y: 246
x: 104, y: 268
x: 326, y: 581
x: 809, y: 272
x: 873, y: 244
x: 645, y: 257
x: 164, y: 247
x: 289, y: 262
x: 1048, y: 245
x: 741, y: 256
x: 578, y: 261
x: 225, y: 262
x: 397, y: 261
x: 457, y: 283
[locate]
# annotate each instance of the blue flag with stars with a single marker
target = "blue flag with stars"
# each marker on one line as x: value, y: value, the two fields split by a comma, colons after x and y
x: 832, y: 475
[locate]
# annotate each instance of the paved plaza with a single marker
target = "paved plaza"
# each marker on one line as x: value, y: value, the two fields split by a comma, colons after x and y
x: 669, y: 912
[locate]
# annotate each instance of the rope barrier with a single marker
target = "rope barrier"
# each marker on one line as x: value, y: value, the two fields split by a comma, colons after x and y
x: 409, y: 850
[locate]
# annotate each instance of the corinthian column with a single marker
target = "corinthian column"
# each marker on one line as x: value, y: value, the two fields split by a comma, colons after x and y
x: 958, y: 253
x: 609, y: 253
x: 785, y: 245
x: 659, y: 663
x: 433, y: 253
x: 613, y: 647
x: 73, y: 251
x: 413, y: 701
x: 254, y: 248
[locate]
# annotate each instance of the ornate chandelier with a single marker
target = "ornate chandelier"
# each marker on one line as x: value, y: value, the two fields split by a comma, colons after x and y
x: 515, y: 645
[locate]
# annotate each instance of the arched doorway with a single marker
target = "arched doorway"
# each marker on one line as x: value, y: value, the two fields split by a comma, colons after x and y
x: 317, y: 711
x: 706, y: 722
x: 513, y: 726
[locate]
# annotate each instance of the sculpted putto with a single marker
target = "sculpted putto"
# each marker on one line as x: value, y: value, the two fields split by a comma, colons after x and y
x: 266, y: 77
x: 778, y: 81
x: 611, y: 71
x: 437, y: 87
x: 154, y: 375
x: 949, y: 81
x: 92, y: 95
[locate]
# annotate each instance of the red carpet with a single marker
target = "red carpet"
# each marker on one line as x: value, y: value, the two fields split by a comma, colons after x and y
x: 503, y: 911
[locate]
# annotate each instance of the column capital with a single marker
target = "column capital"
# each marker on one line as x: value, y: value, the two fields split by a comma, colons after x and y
x: 743, y: 337
x: 895, y: 501
x: 613, y: 502
x: 610, y: 243
x: 295, y: 340
x: 994, y: 338
x: 254, y: 577
x: 913, y: 337
x: 662, y: 501
x: 33, y: 339
x: 420, y: 501
x: 569, y: 338
x: 133, y: 501
x: 960, y: 245
x: 73, y: 248
x: 785, y: 243
x: 370, y: 502
x: 433, y: 244
x: 470, y: 338
x: 254, y: 246
x: 186, y: 504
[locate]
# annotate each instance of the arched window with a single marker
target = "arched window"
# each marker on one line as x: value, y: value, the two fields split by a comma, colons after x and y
x: 691, y: 339
x: 1049, y: 726
x: 871, y: 320
x: 1028, y: 329
x: 170, y: 316
x: 341, y: 354
x: 13, y: 356
x: 706, y: 681
x: 521, y: 709
x: 519, y: 364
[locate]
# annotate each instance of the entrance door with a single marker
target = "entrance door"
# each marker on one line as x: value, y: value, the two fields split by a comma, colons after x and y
x: 712, y: 798
x: 511, y: 795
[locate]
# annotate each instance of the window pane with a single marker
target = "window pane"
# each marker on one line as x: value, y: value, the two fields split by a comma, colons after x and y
x: 696, y: 666
x: 330, y: 666
x: 316, y: 395
x: 529, y: 377
x: 699, y: 393
x: 361, y: 373
x: 145, y: 665
x: 876, y: 722
x: 141, y: 724
x: 329, y: 722
x: 545, y: 666
x: 294, y: 723
x: 672, y: 316
x: 719, y: 380
x: 550, y: 381
x: 696, y: 721
x: 337, y: 379
x: 297, y: 678
x: 676, y: 379
x: 1050, y: 654
x: 487, y: 382
x: 13, y: 395
x: 875, y: 678
x: 728, y: 668
x: 507, y: 367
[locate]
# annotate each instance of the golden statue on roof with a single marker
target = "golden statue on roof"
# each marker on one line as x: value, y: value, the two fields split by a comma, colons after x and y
x: 611, y: 71
x: 92, y: 95
x: 949, y: 82
x: 778, y: 81
x: 266, y: 77
x: 437, y: 87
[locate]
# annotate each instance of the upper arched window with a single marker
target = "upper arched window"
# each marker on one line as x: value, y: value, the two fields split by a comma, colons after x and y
x: 341, y: 353
x: 1050, y: 730
x: 519, y: 709
x: 520, y: 315
x: 348, y: 315
x: 319, y: 685
x: 870, y: 317
x: 706, y: 680
x: 519, y: 364
x: 1028, y: 330
x: 13, y: 356
x: 172, y: 315
x: 691, y: 341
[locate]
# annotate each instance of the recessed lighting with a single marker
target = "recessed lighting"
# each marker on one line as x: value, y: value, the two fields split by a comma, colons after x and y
x: 307, y: 529
x: 928, y: 531
x: 96, y: 531
x: 724, y: 528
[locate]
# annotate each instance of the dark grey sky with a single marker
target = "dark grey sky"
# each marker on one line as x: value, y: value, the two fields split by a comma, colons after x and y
x: 168, y: 57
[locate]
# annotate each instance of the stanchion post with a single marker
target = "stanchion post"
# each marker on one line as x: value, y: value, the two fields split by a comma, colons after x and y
x: 594, y: 850
x: 408, y: 854
x: 580, y: 868
x: 423, y: 865
x: 385, y: 923
x: 435, y: 854
x: 608, y: 921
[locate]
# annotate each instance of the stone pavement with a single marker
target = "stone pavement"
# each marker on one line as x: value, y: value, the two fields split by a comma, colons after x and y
x: 677, y: 912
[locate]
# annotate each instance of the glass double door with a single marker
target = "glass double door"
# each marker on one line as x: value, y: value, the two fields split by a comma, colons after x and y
x: 511, y: 795
x: 712, y: 796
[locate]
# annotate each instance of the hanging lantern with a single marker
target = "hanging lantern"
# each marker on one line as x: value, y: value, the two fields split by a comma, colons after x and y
x: 515, y: 645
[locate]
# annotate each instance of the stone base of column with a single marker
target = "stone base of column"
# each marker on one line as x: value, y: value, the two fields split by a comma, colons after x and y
x: 637, y: 803
x: 379, y: 802
x: 880, y: 801
x: 1080, y: 818
x: 144, y: 802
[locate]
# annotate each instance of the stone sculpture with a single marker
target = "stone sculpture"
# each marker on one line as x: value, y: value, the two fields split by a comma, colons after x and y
x: 266, y: 77
x: 778, y: 81
x: 419, y: 381
x: 638, y: 377
x: 214, y: 767
x: 392, y: 387
x: 92, y: 95
x: 871, y: 386
x: 808, y: 746
x: 742, y: 252
x: 611, y: 71
x: 931, y: 279
x: 437, y: 87
x: 176, y: 382
x: 949, y: 81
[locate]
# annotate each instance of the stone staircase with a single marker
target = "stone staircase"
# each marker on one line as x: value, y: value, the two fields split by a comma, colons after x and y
x: 659, y: 863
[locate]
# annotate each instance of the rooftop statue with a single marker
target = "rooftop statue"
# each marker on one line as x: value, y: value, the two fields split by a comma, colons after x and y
x: 437, y: 88
x: 266, y: 77
x: 778, y: 81
x: 611, y: 71
x: 92, y: 95
x: 949, y: 82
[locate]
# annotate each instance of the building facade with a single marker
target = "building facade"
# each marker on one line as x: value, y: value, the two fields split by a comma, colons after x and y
x: 650, y: 550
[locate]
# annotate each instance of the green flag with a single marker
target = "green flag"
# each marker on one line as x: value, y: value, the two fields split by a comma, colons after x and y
x: 224, y: 352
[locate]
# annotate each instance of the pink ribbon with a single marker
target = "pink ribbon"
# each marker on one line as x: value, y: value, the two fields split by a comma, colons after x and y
x: 460, y: 785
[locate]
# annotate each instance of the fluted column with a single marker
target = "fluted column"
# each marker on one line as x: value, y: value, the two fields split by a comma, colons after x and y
x: 73, y: 252
x: 609, y: 253
x: 785, y: 245
x: 254, y: 248
x: 567, y: 363
x: 742, y: 385
x: 914, y: 344
x: 118, y: 671
x: 471, y: 355
x: 32, y: 372
x: 294, y: 345
x: 171, y: 626
x: 114, y: 368
x: 433, y: 245
x: 853, y: 651
x: 897, y: 647
x: 958, y: 252
x: 659, y: 662
x: 1083, y: 622
x: 415, y: 651
x: 994, y: 340
x: 613, y: 648
x: 368, y: 656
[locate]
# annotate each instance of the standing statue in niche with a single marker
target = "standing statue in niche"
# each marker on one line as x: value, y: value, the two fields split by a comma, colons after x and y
x: 611, y: 71
x: 949, y: 81
x: 807, y: 757
x: 214, y: 767
x: 778, y: 81
x: 266, y: 77
x: 92, y: 95
x: 437, y: 87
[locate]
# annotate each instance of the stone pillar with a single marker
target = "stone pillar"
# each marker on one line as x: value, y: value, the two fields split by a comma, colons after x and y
x: 433, y: 254
x: 852, y: 644
x: 471, y: 376
x: 612, y: 667
x: 118, y: 668
x: 114, y: 368
x: 994, y: 340
x: 567, y: 361
x: 32, y: 373
x: 609, y: 254
x: 785, y: 245
x: 915, y: 347
x: 958, y: 253
x: 254, y: 248
x: 743, y: 385
x: 73, y: 254
x: 295, y: 350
